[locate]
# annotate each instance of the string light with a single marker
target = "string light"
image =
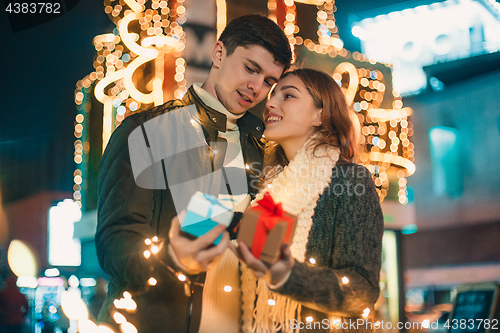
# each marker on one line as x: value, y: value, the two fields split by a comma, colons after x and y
x: 145, y: 32
x: 119, y: 318
x: 128, y: 328
x: 364, y: 91
x: 228, y: 289
x: 126, y: 303
x: 345, y: 280
x: 385, y: 130
x: 336, y: 323
x: 271, y: 302
x: 221, y: 16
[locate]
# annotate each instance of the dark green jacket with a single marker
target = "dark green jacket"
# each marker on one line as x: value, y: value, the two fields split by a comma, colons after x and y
x: 345, y: 240
x: 129, y: 214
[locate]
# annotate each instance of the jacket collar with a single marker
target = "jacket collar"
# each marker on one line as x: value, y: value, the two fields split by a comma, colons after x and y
x: 214, y: 120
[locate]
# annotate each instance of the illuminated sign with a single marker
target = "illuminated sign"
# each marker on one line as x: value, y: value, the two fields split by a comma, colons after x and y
x: 64, y: 250
x: 421, y: 36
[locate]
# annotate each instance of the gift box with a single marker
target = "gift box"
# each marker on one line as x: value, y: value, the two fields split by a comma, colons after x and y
x: 204, y: 212
x: 265, y: 228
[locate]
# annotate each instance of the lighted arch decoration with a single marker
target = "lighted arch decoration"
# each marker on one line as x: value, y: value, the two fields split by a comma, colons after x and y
x: 138, y: 65
x: 367, y: 86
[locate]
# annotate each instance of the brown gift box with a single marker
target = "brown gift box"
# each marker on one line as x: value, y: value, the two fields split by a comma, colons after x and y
x: 276, y: 237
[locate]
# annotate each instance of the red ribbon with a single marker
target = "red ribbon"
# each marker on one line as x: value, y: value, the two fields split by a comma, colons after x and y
x: 271, y: 215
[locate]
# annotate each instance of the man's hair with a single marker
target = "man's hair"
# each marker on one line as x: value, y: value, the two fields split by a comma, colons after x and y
x: 257, y: 30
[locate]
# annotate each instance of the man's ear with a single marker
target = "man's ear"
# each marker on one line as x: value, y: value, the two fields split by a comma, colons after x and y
x: 218, y: 53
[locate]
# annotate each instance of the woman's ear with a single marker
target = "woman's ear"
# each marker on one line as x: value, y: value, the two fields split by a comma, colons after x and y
x: 317, y: 120
x: 218, y: 53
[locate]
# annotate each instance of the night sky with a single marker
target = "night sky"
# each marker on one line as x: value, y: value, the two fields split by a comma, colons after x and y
x: 40, y: 67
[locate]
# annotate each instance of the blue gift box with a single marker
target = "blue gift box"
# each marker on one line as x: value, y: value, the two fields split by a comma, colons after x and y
x: 204, y: 212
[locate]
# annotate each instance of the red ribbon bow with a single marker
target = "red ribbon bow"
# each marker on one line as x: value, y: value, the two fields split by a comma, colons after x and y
x: 271, y: 215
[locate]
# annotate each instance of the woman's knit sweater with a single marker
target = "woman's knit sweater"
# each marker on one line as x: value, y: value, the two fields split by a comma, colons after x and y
x: 345, y: 240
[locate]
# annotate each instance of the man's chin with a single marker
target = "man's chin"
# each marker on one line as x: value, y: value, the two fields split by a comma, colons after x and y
x: 238, y: 110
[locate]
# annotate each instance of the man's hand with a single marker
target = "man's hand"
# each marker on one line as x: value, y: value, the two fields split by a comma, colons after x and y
x: 198, y: 255
x: 273, y: 274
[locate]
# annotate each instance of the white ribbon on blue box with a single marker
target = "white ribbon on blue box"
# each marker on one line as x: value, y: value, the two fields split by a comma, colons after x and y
x: 204, y: 212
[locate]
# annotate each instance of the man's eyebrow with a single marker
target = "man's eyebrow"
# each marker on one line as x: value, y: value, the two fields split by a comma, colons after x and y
x: 274, y: 79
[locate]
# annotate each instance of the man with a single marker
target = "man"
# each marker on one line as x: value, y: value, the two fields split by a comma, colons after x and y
x: 157, y: 159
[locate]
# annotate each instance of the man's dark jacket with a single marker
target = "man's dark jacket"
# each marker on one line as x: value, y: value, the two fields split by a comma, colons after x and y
x: 129, y: 214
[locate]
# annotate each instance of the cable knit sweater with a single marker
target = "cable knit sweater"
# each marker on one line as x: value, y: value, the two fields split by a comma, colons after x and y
x: 345, y: 240
x: 335, y: 279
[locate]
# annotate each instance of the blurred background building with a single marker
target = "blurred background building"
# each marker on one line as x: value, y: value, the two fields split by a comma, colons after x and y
x: 422, y: 76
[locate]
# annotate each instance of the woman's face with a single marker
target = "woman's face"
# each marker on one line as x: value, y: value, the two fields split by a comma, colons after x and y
x: 290, y: 114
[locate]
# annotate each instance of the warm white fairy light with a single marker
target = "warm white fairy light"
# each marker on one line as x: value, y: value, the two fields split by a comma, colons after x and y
x: 152, y: 281
x: 221, y: 16
x: 155, y: 249
x: 181, y: 277
x: 119, y: 56
x: 119, y: 318
x: 86, y: 326
x: 128, y: 328
x: 228, y: 289
x: 180, y: 63
x: 386, y: 132
x: 271, y: 302
x: 330, y: 43
x: 147, y: 254
x: 272, y: 6
x: 336, y: 322
x: 345, y: 280
x: 125, y: 303
x: 180, y: 70
x: 81, y: 144
x: 312, y: 261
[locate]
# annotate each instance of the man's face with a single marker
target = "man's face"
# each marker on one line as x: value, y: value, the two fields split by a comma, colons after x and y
x: 245, y: 77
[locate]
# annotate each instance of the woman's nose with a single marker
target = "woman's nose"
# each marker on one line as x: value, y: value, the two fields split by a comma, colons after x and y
x: 270, y: 104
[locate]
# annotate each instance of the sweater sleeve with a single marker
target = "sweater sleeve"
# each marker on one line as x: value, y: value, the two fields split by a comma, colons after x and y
x: 346, y: 242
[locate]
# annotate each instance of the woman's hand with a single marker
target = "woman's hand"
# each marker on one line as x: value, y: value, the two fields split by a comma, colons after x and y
x: 274, y: 274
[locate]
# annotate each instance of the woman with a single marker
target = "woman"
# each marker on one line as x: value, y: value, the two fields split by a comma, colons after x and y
x: 329, y: 277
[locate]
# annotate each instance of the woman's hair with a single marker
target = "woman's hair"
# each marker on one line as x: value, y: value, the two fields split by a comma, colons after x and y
x: 337, y: 128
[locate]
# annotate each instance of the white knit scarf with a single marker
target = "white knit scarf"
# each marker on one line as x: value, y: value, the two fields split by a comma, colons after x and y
x: 298, y: 188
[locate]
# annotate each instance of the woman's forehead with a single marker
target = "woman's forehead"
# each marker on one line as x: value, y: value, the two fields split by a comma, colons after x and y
x: 289, y: 82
